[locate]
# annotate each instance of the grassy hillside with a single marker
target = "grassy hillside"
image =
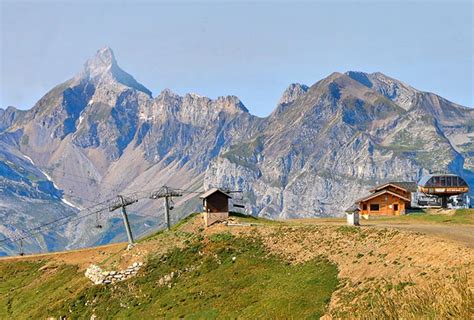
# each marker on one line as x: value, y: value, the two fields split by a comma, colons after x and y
x: 207, y: 283
x: 274, y: 270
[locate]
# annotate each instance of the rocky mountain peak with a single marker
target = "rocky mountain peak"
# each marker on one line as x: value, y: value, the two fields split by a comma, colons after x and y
x: 293, y: 92
x: 167, y: 93
x: 100, y: 63
x: 103, y: 67
x: 7, y: 117
x: 232, y: 104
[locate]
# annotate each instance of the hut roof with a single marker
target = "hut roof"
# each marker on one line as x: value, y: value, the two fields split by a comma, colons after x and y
x: 376, y: 194
x: 212, y: 191
x: 409, y: 186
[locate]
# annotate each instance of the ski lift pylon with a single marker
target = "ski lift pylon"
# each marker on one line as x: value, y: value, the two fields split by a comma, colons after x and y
x: 21, y: 253
x: 97, y: 221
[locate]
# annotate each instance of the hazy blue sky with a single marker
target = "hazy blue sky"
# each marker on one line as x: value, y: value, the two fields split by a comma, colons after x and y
x: 252, y: 50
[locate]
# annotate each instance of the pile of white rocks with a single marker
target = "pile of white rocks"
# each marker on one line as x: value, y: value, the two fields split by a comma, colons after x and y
x: 99, y: 276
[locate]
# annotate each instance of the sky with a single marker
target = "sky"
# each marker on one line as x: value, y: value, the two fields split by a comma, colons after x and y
x: 253, y: 50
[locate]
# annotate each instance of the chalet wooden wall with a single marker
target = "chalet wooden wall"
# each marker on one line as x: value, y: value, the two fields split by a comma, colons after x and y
x: 386, y: 203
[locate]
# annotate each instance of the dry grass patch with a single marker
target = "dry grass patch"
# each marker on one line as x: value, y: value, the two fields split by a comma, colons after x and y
x: 386, y: 273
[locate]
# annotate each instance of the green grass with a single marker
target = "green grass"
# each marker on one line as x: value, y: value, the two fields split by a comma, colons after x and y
x: 244, y: 218
x: 242, y: 153
x: 175, y: 228
x: 255, y: 285
x: 184, y: 221
x: 246, y: 149
x: 348, y: 230
x: 28, y: 292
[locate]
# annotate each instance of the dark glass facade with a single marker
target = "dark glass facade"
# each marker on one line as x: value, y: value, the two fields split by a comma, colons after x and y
x: 445, y: 181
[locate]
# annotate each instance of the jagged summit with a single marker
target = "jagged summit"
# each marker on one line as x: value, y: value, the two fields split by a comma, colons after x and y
x: 103, y: 61
x: 104, y: 67
x: 291, y: 93
x: 233, y: 103
x: 294, y: 91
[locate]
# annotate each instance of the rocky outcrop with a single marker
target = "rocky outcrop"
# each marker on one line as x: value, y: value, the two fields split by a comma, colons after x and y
x: 293, y: 92
x: 8, y: 117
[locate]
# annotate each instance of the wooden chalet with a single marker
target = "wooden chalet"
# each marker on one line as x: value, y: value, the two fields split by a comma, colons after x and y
x: 215, y: 206
x: 391, y: 198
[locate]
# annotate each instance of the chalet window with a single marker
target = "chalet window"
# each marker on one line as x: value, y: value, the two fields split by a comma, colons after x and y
x: 374, y: 207
x: 395, y: 207
x: 364, y: 207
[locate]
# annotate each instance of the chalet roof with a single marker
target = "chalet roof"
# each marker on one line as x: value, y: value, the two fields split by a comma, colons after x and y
x: 212, y: 191
x: 376, y: 194
x: 409, y: 186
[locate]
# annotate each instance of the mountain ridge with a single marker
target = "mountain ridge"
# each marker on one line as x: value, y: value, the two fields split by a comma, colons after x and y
x: 97, y: 135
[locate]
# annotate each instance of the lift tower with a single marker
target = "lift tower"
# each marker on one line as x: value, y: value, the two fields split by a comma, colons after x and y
x: 123, y: 202
x: 167, y: 193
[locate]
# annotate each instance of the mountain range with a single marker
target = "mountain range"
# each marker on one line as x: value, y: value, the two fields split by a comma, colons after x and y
x: 102, y: 133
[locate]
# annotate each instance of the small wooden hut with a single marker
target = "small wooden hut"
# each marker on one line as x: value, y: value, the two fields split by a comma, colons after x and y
x: 215, y: 206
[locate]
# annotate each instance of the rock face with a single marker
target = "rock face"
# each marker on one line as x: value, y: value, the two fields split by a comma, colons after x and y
x: 102, y: 133
x: 27, y: 199
x: 347, y: 133
x: 293, y: 92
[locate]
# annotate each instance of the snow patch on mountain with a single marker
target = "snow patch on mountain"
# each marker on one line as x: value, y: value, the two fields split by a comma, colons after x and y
x: 65, y: 201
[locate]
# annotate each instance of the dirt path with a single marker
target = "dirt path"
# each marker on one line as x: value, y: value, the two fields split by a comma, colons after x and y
x: 113, y: 255
x: 460, y: 233
x: 81, y: 257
